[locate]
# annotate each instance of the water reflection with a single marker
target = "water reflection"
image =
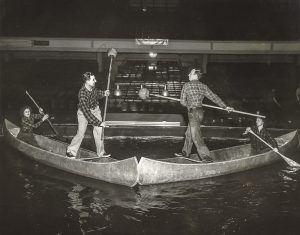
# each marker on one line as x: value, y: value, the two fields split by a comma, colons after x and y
x: 260, y: 201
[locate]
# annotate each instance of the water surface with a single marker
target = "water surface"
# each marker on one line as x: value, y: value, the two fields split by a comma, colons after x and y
x: 36, y: 199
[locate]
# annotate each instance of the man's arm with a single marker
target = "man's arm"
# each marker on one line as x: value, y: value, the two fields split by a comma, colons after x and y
x: 27, y: 125
x: 100, y: 93
x: 270, y: 139
x: 87, y: 112
x: 37, y: 116
x: 214, y: 98
x: 183, y: 96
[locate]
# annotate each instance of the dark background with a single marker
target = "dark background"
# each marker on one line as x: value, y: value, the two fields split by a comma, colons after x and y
x: 172, y: 19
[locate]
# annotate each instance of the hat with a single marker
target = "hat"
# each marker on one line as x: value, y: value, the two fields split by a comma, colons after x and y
x: 194, y: 71
x: 258, y: 113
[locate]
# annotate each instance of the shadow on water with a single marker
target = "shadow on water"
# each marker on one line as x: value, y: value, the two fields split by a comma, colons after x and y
x: 42, y: 200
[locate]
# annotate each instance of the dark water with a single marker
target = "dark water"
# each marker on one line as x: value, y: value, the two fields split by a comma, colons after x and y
x: 35, y: 199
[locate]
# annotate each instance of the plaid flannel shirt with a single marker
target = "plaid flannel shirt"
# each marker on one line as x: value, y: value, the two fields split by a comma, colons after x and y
x: 193, y: 93
x: 27, y: 124
x: 265, y: 135
x: 89, y: 100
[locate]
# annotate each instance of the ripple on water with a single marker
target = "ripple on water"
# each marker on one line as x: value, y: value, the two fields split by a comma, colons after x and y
x: 234, y: 204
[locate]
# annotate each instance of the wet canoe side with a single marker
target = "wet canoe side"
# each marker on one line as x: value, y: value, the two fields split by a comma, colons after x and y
x: 52, y: 153
x: 227, y: 161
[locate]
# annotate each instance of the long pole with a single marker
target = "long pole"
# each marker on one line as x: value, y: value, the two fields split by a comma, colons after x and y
x: 112, y: 53
x: 288, y: 160
x: 211, y: 106
x: 107, y: 88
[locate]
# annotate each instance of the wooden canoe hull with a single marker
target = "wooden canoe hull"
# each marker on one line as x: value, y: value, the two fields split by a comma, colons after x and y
x: 129, y: 172
x: 227, y: 161
x: 52, y: 153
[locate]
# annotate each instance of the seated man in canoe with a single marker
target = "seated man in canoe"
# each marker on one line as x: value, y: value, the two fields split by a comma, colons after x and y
x: 192, y: 95
x: 28, y: 123
x: 257, y: 146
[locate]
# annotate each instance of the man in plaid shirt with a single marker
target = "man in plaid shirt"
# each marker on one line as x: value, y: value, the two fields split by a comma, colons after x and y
x: 257, y: 146
x: 89, y: 113
x: 192, y: 95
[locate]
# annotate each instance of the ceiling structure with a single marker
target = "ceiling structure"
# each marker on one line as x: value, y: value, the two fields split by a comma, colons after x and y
x: 172, y: 19
x: 204, y: 31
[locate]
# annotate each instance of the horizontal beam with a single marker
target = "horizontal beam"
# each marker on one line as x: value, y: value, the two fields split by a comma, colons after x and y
x: 129, y: 46
x: 180, y: 58
x: 141, y: 123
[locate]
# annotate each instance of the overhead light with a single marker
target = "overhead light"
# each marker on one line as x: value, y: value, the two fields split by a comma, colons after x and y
x: 152, y: 66
x: 165, y: 92
x: 118, y: 92
x: 151, y: 42
x: 152, y: 54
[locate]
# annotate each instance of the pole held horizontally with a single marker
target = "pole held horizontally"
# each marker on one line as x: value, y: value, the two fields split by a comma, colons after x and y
x: 144, y: 94
x: 289, y: 161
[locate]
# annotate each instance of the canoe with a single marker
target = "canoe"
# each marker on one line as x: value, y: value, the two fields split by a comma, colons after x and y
x: 52, y: 153
x: 130, y: 172
x: 226, y: 161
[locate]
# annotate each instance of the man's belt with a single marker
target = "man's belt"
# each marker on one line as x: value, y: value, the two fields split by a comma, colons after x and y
x: 194, y: 108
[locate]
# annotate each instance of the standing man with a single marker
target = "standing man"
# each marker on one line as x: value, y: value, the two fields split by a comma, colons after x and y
x: 89, y: 112
x: 192, y: 95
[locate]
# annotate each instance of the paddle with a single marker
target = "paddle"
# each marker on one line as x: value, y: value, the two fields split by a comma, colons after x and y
x: 55, y: 131
x: 145, y: 94
x: 289, y: 161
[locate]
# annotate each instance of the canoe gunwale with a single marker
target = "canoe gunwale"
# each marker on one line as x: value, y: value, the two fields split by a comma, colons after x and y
x: 194, y: 162
x: 218, y: 168
x: 140, y: 172
x: 60, y: 161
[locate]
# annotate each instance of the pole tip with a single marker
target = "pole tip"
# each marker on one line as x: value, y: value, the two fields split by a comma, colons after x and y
x: 112, y: 52
x: 144, y: 93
